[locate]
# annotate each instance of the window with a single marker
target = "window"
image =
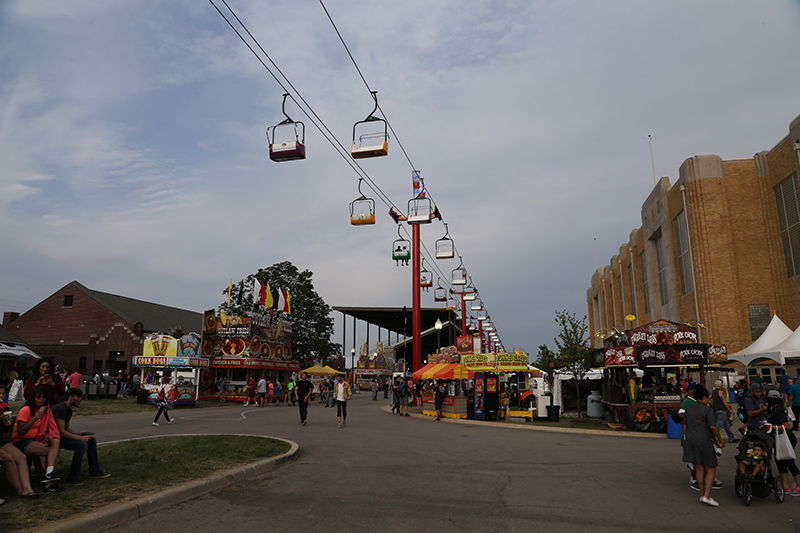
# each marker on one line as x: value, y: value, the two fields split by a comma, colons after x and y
x: 759, y: 319
x: 645, y: 284
x: 622, y: 295
x: 786, y: 199
x: 661, y: 265
x: 684, y: 264
x: 633, y: 293
x: 82, y: 363
x: 67, y: 300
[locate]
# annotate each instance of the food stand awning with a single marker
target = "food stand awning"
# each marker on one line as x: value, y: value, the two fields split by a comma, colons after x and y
x: 326, y: 367
x: 444, y: 371
x: 317, y: 370
x: 16, y: 351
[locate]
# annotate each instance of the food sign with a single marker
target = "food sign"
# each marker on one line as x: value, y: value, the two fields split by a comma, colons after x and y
x: 620, y: 356
x: 261, y: 336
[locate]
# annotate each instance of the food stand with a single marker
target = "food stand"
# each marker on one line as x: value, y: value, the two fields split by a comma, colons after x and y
x: 370, y: 367
x: 173, y: 357
x: 660, y: 350
x: 241, y: 346
x: 512, y: 374
x: 455, y: 404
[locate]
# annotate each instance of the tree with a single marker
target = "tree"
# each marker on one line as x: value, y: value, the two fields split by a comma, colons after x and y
x: 312, y: 325
x: 572, y: 351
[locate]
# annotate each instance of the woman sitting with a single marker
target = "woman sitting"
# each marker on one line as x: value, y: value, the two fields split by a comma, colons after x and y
x: 36, y: 434
x: 13, y: 461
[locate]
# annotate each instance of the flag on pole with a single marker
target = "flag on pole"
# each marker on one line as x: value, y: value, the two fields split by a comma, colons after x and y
x: 275, y: 293
x: 230, y: 288
x: 419, y: 186
x: 259, y: 293
x: 281, y: 300
x: 268, y: 301
x: 288, y: 309
x: 239, y: 296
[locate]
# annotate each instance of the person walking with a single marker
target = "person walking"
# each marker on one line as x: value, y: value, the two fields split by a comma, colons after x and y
x: 385, y: 389
x: 341, y: 391
x: 329, y: 401
x: 779, y: 418
x: 290, y: 392
x: 162, y: 403
x: 722, y: 410
x: 251, y: 391
x: 262, y: 391
x: 303, y: 390
x: 374, y: 387
x: 277, y: 391
x: 794, y: 401
x: 701, y: 436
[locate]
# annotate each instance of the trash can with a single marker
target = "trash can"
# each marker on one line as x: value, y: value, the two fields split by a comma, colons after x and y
x: 552, y: 413
x: 674, y: 431
x: 141, y: 396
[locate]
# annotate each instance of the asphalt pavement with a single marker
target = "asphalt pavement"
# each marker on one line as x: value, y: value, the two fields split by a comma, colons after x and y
x: 392, y: 473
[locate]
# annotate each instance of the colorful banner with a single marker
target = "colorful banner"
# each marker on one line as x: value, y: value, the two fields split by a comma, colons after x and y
x: 660, y: 332
x: 259, y: 364
x: 261, y: 336
x: 160, y: 345
x: 171, y: 362
x: 664, y: 355
x: 464, y: 344
x: 620, y: 356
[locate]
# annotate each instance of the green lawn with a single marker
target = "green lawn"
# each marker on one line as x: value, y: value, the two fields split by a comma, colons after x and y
x: 137, y: 467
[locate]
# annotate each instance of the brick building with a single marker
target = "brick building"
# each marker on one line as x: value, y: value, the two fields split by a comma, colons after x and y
x: 87, y: 330
x: 721, y: 247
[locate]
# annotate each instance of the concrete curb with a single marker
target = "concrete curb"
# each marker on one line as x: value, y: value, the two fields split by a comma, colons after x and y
x: 119, y: 513
x: 531, y: 426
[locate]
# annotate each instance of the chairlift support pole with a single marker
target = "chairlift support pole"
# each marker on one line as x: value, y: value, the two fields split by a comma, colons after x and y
x: 416, y: 316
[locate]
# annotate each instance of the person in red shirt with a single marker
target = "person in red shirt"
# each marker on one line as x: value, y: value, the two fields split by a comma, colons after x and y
x: 75, y: 379
x: 43, y: 377
x: 251, y: 391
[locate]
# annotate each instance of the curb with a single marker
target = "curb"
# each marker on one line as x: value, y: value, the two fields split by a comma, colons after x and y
x: 532, y: 427
x: 119, y: 513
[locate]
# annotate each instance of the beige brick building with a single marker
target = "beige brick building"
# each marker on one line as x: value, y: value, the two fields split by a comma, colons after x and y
x: 720, y: 247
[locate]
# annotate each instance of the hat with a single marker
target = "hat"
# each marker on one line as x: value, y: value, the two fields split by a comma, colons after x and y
x: 691, y: 386
x: 774, y: 394
x: 755, y: 386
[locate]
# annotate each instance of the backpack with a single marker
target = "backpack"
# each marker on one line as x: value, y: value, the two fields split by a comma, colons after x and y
x: 741, y: 412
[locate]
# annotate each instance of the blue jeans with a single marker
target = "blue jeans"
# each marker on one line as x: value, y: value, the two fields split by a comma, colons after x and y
x: 80, y: 448
x: 374, y: 395
x: 329, y: 399
x: 723, y: 424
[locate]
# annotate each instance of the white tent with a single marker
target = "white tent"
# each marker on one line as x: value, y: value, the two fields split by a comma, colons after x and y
x: 790, y: 347
x: 774, y: 335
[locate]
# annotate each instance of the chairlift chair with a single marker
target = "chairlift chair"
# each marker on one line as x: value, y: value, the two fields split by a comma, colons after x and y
x: 362, y: 209
x: 287, y: 150
x: 364, y: 150
x: 440, y: 294
x: 469, y: 292
x: 451, y: 305
x: 481, y: 314
x: 445, y: 248
x: 401, y: 249
x: 459, y: 274
x: 477, y: 305
x: 425, y: 277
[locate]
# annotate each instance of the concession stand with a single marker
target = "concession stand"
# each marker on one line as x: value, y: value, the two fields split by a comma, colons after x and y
x: 177, y: 359
x: 374, y: 366
x: 243, y: 346
x: 501, y: 384
x: 661, y: 350
x: 455, y: 404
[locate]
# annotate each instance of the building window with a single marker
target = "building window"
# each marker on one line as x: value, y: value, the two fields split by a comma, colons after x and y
x: 645, y: 284
x: 633, y: 293
x: 67, y: 300
x: 684, y: 264
x: 82, y: 363
x: 759, y: 319
x: 622, y: 296
x: 661, y: 265
x: 786, y: 198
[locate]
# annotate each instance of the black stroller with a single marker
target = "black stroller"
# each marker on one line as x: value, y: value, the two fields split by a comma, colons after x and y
x: 765, y: 482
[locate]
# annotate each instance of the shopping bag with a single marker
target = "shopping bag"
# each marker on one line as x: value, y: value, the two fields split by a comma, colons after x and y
x: 790, y: 413
x: 783, y: 446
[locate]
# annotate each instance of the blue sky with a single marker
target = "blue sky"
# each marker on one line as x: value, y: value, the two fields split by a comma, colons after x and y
x: 133, y: 155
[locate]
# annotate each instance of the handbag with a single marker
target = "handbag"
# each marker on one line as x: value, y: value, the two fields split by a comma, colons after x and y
x: 717, y: 449
x: 783, y: 446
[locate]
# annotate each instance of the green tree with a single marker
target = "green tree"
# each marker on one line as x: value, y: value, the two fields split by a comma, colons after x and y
x: 312, y: 325
x: 572, y: 354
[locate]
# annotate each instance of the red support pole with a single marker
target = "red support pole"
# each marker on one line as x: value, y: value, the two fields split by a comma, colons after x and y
x: 480, y: 333
x: 463, y: 316
x: 416, y: 315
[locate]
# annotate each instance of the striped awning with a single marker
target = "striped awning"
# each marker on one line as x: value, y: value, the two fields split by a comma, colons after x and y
x: 444, y: 371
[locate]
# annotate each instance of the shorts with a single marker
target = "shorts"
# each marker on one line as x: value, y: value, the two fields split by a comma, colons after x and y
x: 251, y: 394
x: 262, y: 394
x: 22, y: 444
x: 404, y: 400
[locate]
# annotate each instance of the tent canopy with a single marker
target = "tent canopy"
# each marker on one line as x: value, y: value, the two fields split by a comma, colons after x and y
x: 763, y: 347
x: 449, y: 371
x: 326, y: 367
x: 16, y: 351
x: 317, y: 370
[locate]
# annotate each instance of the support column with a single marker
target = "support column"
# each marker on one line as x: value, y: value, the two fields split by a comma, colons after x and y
x: 416, y: 313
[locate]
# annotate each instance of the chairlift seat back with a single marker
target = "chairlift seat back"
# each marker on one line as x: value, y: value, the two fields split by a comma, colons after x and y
x: 364, y: 152
x: 287, y: 151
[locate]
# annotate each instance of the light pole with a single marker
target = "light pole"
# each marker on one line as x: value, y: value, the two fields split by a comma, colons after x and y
x: 352, y: 358
x: 438, y: 327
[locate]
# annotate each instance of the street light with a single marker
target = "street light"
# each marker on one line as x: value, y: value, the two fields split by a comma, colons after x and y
x: 438, y: 326
x: 352, y: 358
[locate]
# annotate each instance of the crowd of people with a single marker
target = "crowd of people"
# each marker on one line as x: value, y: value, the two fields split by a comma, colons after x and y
x: 41, y: 429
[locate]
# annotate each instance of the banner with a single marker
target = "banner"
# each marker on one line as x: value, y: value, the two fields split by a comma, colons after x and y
x: 620, y: 356
x: 676, y: 354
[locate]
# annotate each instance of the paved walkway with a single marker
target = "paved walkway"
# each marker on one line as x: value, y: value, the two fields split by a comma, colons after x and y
x: 413, y: 473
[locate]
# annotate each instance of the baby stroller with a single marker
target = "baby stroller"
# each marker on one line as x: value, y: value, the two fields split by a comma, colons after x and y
x: 132, y: 390
x: 765, y: 482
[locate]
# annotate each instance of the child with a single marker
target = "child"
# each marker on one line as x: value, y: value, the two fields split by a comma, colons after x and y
x: 754, y: 464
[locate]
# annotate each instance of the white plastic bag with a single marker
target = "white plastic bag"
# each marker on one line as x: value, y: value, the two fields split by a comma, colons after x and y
x: 783, y: 446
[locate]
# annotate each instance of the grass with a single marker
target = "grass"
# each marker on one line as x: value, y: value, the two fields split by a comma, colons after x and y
x: 137, y: 468
x: 110, y: 406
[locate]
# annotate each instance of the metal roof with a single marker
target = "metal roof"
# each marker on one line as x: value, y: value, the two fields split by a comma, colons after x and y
x: 398, y: 319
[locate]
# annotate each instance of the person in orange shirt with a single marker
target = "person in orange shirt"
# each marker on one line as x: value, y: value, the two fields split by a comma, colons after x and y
x: 36, y: 434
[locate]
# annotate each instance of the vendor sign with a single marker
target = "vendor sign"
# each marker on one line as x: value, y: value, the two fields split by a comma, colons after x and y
x: 661, y: 332
x: 620, y: 356
x: 171, y: 362
x: 159, y: 345
x: 516, y: 361
x: 663, y: 355
x: 258, y: 364
x: 717, y: 354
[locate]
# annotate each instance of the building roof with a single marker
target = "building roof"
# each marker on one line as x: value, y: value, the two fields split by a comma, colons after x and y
x: 7, y: 336
x: 397, y: 319
x: 154, y: 317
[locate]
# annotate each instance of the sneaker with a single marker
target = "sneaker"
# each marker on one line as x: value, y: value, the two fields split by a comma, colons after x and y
x: 53, y: 489
x: 709, y: 501
x: 794, y: 492
x: 170, y: 422
x: 733, y: 440
x: 75, y: 481
x: 50, y: 478
x: 717, y: 484
x: 155, y: 423
x: 407, y: 414
x: 693, y: 485
x: 340, y: 424
x: 99, y: 474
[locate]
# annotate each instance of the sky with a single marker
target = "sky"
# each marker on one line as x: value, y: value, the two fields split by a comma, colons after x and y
x: 133, y: 154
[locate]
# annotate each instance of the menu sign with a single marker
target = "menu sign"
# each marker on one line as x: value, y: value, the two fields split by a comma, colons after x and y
x: 664, y: 355
x: 620, y: 356
x: 662, y: 332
